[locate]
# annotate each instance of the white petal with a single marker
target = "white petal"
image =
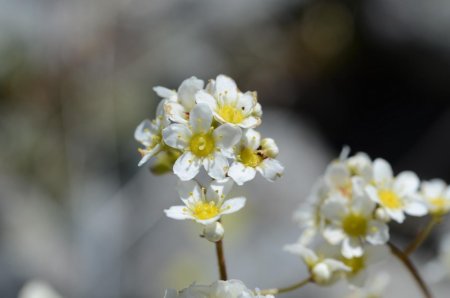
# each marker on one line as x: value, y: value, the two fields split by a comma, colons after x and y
x: 176, y: 112
x: 396, y: 215
x: 434, y: 188
x: 241, y: 173
x: 406, y: 183
x: 372, y: 193
x: 189, y: 190
x: 251, y: 138
x: 226, y: 87
x: 351, y: 247
x: 144, y: 131
x: 250, y: 122
x: 333, y: 234
x: 232, y: 205
x: 227, y: 135
x: 177, y: 136
x: 204, y: 97
x: 187, y: 166
x: 216, y: 167
x: 178, y: 212
x: 187, y: 91
x: 334, y: 209
x: 307, y: 254
x: 271, y: 169
x: 336, y: 265
x: 149, y: 154
x: 378, y: 232
x: 363, y: 204
x: 337, y: 175
x: 165, y: 92
x: 200, y: 118
x: 218, y: 190
x: 382, y: 171
x: 415, y: 208
x: 207, y: 221
x: 245, y: 102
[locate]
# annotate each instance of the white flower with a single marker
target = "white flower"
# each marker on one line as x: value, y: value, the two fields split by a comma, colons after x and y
x: 358, y: 265
x: 398, y: 195
x: 438, y: 270
x: 201, y: 144
x: 374, y: 289
x: 252, y: 155
x: 324, y: 269
x: 182, y: 102
x: 309, y: 215
x: 229, y: 105
x: 148, y: 133
x: 205, y: 208
x: 351, y: 222
x: 219, y: 289
x: 436, y: 195
x: 38, y: 289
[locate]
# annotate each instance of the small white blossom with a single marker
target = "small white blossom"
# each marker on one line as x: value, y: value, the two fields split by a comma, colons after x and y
x: 351, y: 223
x: 396, y: 196
x: 182, y: 101
x: 149, y: 134
x: 436, y: 194
x: 324, y: 269
x: 229, y: 105
x: 201, y: 144
x: 374, y: 289
x: 219, y: 289
x: 208, y: 206
x: 252, y: 155
x: 38, y: 289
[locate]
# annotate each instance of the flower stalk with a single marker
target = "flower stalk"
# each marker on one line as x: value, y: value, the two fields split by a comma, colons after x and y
x: 411, y: 268
x: 286, y: 289
x: 420, y: 238
x: 221, y: 260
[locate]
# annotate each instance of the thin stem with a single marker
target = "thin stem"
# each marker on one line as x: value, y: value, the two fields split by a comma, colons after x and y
x: 221, y: 260
x: 420, y: 238
x: 410, y: 266
x: 285, y: 289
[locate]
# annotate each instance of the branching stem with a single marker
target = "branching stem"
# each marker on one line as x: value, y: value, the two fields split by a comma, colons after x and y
x: 286, y: 289
x: 420, y: 238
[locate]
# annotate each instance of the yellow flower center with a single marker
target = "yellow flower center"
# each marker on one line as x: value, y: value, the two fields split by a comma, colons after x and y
x: 202, y: 144
x: 249, y: 157
x: 356, y: 264
x: 390, y: 199
x: 231, y: 114
x: 205, y: 210
x: 440, y: 205
x: 355, y: 225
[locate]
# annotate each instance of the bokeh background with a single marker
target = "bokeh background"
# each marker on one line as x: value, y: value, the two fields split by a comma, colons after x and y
x: 76, y: 78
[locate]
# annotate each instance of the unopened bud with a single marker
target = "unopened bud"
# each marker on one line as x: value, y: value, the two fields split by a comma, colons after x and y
x: 213, y: 232
x: 382, y: 215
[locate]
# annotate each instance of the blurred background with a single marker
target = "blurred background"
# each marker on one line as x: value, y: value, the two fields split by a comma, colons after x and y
x: 76, y: 78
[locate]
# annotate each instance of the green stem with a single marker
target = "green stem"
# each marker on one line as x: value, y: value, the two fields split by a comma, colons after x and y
x: 420, y: 238
x: 410, y: 266
x: 285, y: 289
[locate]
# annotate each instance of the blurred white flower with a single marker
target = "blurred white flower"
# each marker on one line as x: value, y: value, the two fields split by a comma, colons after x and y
x: 436, y: 194
x: 149, y: 134
x: 375, y: 288
x: 372, y: 254
x: 229, y: 105
x: 182, y: 101
x: 396, y: 196
x: 351, y: 223
x: 219, y: 289
x: 202, y: 144
x: 438, y: 269
x: 38, y: 289
x: 323, y: 267
x: 253, y: 154
x: 205, y: 208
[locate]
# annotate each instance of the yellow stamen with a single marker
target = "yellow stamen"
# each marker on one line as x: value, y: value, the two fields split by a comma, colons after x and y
x: 231, y: 114
x: 355, y: 224
x: 205, y: 210
x: 202, y: 144
x: 356, y: 264
x: 390, y: 199
x: 249, y: 157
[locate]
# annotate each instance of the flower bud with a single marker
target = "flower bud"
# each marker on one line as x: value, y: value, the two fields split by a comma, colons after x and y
x: 269, y: 147
x: 257, y: 110
x: 213, y: 232
x: 321, y: 274
x: 382, y: 215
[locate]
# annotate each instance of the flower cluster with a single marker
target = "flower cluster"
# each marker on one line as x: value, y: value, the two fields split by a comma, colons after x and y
x: 219, y: 289
x: 349, y: 209
x: 210, y: 127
